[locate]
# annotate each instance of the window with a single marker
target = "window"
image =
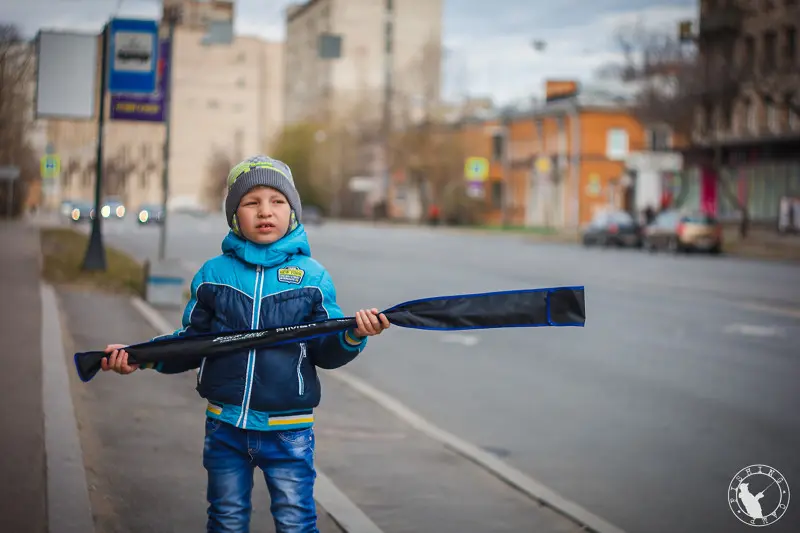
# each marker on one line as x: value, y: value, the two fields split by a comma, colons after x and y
x: 790, y: 47
x: 751, y: 120
x: 497, y: 146
x: 616, y: 144
x: 770, y: 55
x: 561, y: 124
x: 497, y: 194
x: 540, y: 135
x: 659, y: 139
x: 749, y: 59
x: 772, y: 117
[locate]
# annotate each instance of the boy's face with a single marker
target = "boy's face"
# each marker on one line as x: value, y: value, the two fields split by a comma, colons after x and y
x: 264, y: 215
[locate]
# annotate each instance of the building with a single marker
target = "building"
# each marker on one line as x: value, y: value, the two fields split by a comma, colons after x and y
x: 557, y: 164
x: 352, y: 86
x: 748, y: 124
x: 226, y: 104
x: 197, y: 14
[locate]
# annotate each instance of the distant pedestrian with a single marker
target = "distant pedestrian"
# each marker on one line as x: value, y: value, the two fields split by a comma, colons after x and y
x: 261, y: 402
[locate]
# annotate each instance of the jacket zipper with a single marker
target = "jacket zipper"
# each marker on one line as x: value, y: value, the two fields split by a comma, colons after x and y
x: 300, y: 382
x: 252, y: 355
x: 200, y: 372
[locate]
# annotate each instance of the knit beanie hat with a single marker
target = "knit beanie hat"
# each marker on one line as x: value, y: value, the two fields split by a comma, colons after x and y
x: 255, y: 171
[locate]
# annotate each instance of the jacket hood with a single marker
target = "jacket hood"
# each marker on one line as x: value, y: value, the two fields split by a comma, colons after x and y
x: 268, y: 255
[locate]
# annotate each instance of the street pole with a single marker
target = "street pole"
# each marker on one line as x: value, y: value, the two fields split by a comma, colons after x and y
x: 387, y: 97
x: 10, y: 200
x: 95, y: 258
x: 506, y: 164
x: 171, y: 15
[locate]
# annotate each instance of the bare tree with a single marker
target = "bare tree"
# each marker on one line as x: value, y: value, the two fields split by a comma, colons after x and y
x: 219, y: 165
x: 426, y: 144
x: 691, y: 93
x: 16, y: 92
x: 296, y: 146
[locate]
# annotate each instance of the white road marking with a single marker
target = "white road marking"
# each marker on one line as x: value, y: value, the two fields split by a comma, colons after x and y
x: 754, y: 330
x: 460, y: 338
x: 330, y: 497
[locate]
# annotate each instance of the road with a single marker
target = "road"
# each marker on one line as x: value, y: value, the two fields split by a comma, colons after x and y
x: 684, y: 374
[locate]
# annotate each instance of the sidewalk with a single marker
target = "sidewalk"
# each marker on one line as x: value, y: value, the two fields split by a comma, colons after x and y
x: 142, y: 435
x: 22, y: 470
x: 406, y: 481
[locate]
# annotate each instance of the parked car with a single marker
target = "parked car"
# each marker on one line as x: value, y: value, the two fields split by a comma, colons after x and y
x: 312, y: 215
x: 684, y: 232
x: 81, y: 211
x: 113, y: 206
x: 150, y: 214
x: 613, y: 228
x: 66, y: 208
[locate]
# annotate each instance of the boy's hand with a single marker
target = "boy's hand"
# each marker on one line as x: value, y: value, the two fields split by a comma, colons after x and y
x: 370, y: 323
x: 118, y: 360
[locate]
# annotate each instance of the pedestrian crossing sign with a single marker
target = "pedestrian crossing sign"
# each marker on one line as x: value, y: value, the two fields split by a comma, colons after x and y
x: 476, y: 169
x: 50, y: 166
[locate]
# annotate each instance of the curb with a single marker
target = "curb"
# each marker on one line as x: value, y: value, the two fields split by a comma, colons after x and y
x: 498, y: 468
x: 341, y: 509
x: 69, y: 508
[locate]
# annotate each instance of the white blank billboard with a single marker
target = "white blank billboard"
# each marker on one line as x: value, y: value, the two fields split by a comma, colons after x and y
x: 65, y: 74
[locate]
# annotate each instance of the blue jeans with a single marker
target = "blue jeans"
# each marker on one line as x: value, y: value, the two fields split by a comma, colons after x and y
x: 231, y: 455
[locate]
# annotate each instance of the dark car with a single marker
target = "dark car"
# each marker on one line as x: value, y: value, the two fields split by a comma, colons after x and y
x: 113, y: 208
x: 312, y: 215
x: 81, y: 211
x: 684, y: 232
x: 613, y: 228
x: 150, y: 214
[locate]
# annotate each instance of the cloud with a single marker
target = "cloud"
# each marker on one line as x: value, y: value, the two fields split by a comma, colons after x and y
x: 489, y: 47
x: 73, y: 15
x: 497, y: 59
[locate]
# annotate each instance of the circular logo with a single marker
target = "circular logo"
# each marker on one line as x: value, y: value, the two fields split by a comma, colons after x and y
x: 758, y: 495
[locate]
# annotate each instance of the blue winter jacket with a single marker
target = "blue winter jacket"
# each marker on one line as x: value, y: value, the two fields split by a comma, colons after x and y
x: 252, y: 286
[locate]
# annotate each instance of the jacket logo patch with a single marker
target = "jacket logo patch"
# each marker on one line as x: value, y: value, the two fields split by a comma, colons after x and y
x: 291, y: 274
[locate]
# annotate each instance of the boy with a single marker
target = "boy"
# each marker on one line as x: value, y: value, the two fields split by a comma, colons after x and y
x: 260, y: 403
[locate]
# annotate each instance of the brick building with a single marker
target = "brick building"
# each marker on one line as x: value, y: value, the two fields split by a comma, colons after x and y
x: 749, y: 117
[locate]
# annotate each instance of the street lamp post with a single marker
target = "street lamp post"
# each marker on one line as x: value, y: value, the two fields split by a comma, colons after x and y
x: 95, y: 257
x: 172, y: 15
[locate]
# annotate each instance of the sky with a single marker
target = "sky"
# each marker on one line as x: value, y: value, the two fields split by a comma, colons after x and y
x: 488, y: 44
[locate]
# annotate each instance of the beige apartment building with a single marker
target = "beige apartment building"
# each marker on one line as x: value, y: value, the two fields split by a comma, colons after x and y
x: 226, y: 103
x: 350, y: 88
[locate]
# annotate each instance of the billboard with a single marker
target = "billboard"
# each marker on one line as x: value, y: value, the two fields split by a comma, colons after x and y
x: 145, y: 107
x: 66, y: 74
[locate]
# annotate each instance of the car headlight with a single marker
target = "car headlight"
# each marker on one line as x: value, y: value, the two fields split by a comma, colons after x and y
x: 143, y: 216
x: 105, y: 211
x: 76, y: 214
x: 120, y: 211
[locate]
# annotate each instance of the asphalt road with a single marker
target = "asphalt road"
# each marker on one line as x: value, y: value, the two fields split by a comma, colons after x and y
x: 686, y: 372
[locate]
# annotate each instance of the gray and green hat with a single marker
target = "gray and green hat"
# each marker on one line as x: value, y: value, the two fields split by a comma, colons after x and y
x: 255, y: 171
